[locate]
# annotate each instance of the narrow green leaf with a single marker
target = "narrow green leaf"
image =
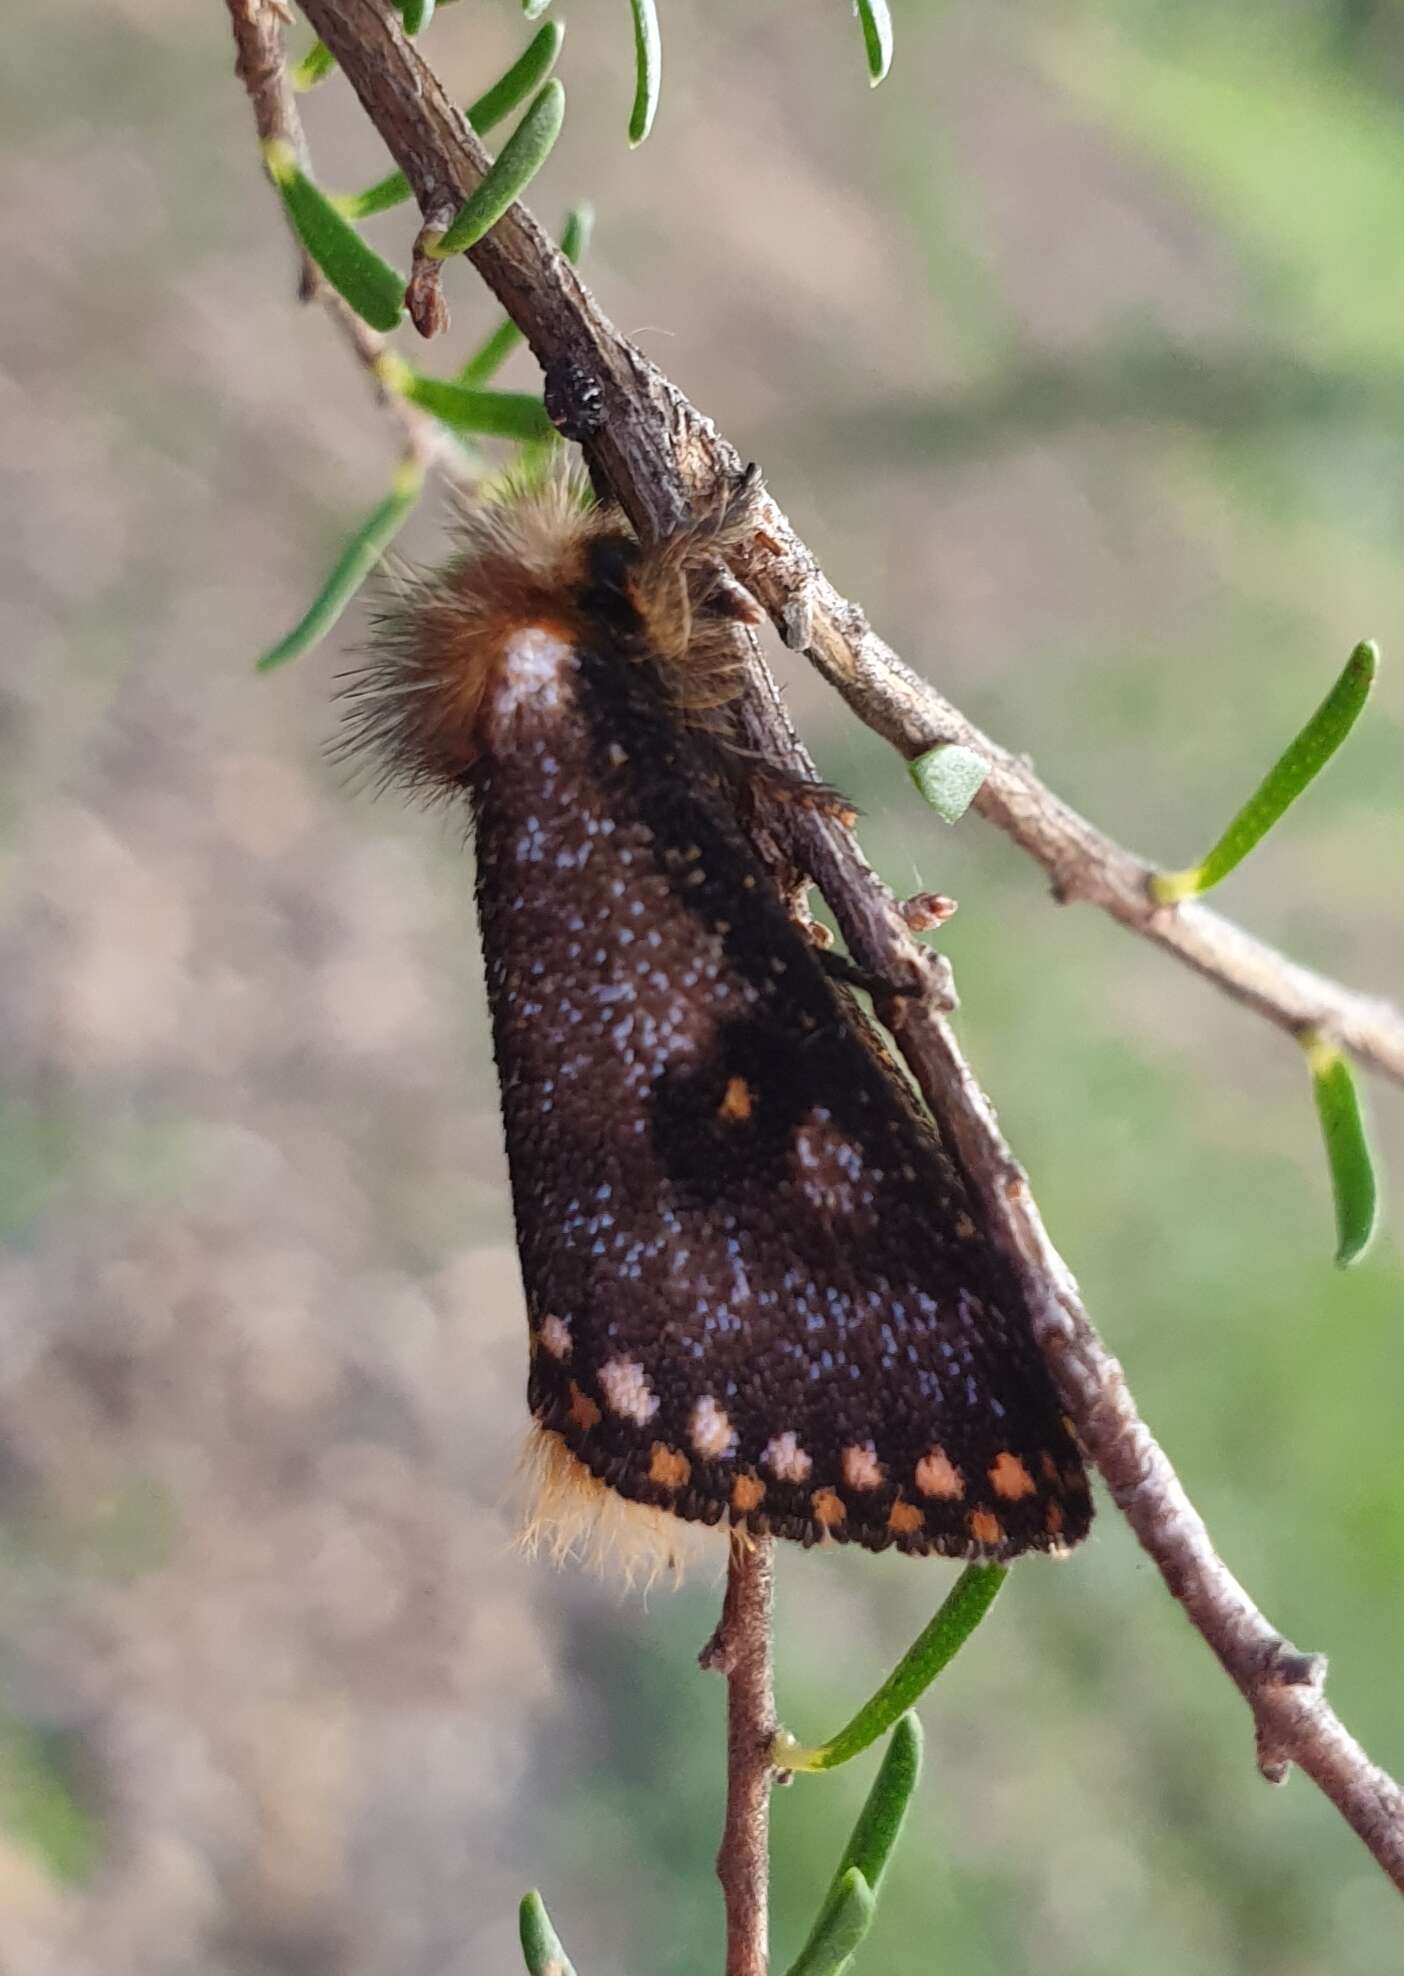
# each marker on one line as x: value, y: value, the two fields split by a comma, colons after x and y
x: 969, y: 1599
x: 416, y: 15
x: 837, y: 1934
x: 877, y: 37
x: 392, y: 190
x: 1347, y: 1146
x: 848, y: 1906
x: 490, y: 356
x: 648, y: 69
x: 507, y: 177
x: 575, y: 234
x: 374, y: 289
x: 352, y: 566
x: 531, y: 67
x: 532, y: 8
x: 874, y: 1838
x: 316, y: 65
x: 949, y: 777
x: 489, y: 414
x: 1294, y: 770
x: 541, y: 1946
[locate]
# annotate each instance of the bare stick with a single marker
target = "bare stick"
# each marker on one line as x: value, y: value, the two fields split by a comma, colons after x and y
x: 658, y: 454
x: 740, y: 1650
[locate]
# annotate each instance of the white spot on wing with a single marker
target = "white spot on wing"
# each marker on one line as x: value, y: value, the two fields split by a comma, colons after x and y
x: 555, y: 1336
x: 710, y: 1431
x: 830, y: 1167
x: 786, y: 1459
x: 626, y: 1390
x: 861, y: 1467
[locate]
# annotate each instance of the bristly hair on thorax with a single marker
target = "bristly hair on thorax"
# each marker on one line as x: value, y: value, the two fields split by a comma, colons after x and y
x: 541, y: 553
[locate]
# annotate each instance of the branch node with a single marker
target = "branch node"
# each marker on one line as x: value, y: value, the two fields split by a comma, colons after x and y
x: 797, y: 619
x: 424, y: 296
x: 716, y: 1656
x: 1288, y: 1668
x: 937, y: 981
x: 925, y: 911
x: 1068, y: 882
x: 1274, y: 1765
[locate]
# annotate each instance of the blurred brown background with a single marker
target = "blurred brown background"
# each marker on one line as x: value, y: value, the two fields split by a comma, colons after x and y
x: 1075, y: 350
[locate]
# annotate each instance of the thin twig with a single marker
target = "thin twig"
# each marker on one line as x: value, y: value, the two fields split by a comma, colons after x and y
x: 658, y: 455
x: 740, y: 1650
x: 259, y: 65
x: 1084, y: 863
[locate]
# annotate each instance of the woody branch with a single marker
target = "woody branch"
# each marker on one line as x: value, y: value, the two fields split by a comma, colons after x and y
x: 740, y: 1650
x: 658, y: 455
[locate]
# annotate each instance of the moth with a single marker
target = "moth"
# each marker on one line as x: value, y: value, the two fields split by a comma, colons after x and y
x: 759, y: 1287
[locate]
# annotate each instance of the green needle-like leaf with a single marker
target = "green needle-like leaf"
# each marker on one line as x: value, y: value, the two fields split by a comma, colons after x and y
x: 848, y: 1907
x: 648, y: 69
x: 353, y: 566
x: 491, y: 354
x: 877, y: 37
x: 874, y: 1838
x: 949, y: 777
x: 315, y: 66
x: 969, y: 1599
x: 1299, y: 766
x: 1347, y: 1147
x: 392, y: 190
x: 575, y: 234
x: 488, y: 414
x: 531, y: 67
x: 489, y: 358
x: 541, y: 1946
x: 531, y: 8
x: 510, y: 173
x: 374, y: 289
x: 416, y: 14
x: 837, y: 1934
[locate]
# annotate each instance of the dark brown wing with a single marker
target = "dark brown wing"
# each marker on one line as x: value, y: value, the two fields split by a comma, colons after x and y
x: 758, y: 1286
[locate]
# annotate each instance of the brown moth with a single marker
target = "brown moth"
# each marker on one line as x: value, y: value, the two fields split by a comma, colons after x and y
x: 758, y: 1285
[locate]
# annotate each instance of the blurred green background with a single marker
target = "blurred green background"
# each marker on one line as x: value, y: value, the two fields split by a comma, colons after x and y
x: 1077, y: 351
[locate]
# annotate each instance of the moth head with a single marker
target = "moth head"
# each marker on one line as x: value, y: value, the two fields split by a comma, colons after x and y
x: 538, y: 558
x: 419, y: 707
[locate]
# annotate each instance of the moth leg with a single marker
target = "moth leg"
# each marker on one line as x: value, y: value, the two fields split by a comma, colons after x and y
x: 777, y: 782
x: 847, y: 974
